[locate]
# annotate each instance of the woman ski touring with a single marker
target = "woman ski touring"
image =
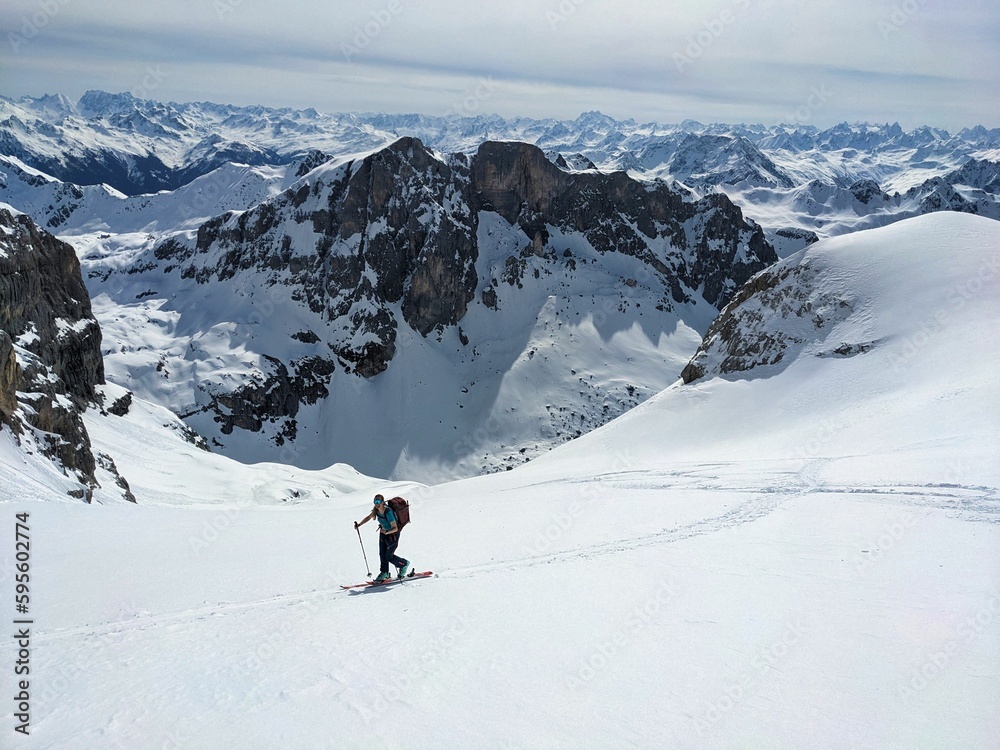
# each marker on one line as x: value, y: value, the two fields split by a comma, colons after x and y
x: 388, y: 539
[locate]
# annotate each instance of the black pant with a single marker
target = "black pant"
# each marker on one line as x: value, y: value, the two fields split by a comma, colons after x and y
x: 386, y: 552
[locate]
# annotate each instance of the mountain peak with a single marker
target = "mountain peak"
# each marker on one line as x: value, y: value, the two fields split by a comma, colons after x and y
x: 55, y: 105
x: 96, y: 103
x: 596, y: 118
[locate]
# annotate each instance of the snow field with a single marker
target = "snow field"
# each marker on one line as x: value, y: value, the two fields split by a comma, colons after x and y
x: 651, y: 615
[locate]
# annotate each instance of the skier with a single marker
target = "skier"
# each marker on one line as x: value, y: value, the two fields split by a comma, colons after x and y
x: 388, y: 539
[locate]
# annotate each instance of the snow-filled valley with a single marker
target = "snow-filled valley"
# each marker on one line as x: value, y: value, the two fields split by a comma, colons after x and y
x: 800, y: 547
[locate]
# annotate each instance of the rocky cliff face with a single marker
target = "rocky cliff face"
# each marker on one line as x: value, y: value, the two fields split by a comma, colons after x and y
x: 775, y: 315
x: 710, y: 246
x: 393, y: 230
x: 10, y: 380
x: 400, y: 228
x: 50, y: 357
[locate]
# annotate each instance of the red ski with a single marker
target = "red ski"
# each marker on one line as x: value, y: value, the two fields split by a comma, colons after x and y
x: 411, y: 576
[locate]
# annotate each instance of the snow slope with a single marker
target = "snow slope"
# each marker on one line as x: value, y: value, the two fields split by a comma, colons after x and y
x: 801, y: 554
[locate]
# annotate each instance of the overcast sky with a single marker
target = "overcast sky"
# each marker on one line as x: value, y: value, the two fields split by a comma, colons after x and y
x: 820, y: 62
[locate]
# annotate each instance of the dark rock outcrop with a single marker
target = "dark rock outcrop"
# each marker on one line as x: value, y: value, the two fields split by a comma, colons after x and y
x: 390, y: 230
x: 980, y: 174
x: 42, y: 294
x: 50, y: 356
x: 280, y: 395
x: 10, y: 381
x: 716, y: 249
x: 865, y: 191
x: 771, y: 318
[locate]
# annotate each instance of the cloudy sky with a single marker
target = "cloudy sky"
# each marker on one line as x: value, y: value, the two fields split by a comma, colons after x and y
x: 934, y: 62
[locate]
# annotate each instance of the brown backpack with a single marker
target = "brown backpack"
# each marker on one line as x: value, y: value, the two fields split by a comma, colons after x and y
x: 402, y: 510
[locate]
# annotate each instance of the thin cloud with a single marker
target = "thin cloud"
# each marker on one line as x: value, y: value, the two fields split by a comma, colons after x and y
x: 720, y: 60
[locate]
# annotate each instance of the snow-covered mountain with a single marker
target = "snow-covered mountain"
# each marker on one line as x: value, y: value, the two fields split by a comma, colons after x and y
x: 419, y: 315
x: 282, y: 295
x: 798, y: 548
x: 69, y: 209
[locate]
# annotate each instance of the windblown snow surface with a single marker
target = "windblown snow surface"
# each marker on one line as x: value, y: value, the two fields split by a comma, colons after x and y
x: 805, y: 554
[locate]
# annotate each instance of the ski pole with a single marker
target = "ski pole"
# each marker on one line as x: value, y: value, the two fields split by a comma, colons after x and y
x: 363, y: 550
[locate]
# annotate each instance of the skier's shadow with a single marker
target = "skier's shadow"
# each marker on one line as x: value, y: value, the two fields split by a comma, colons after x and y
x: 370, y: 590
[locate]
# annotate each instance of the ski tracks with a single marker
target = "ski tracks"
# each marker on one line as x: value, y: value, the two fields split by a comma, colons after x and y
x: 149, y: 620
x: 971, y: 503
x: 967, y: 502
x: 759, y: 504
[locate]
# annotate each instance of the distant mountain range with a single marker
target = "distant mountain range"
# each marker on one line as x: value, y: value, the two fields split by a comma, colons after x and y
x: 798, y: 181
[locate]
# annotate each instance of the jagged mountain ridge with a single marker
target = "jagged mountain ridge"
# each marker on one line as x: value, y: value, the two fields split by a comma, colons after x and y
x: 141, y: 146
x: 70, y: 209
x: 825, y: 209
x: 413, y: 221
x: 404, y: 261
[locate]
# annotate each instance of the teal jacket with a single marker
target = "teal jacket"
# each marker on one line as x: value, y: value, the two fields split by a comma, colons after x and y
x: 386, y: 519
